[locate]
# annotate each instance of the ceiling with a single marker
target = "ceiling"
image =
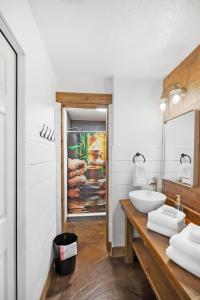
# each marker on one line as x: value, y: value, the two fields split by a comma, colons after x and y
x: 128, y: 38
x: 86, y: 114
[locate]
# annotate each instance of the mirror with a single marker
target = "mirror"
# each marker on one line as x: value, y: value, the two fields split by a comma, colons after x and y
x: 181, y: 148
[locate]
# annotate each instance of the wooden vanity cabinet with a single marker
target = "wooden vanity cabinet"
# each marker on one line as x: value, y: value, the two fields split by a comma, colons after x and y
x: 167, y: 279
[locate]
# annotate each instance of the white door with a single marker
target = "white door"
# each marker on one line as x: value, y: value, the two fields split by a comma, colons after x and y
x: 7, y: 171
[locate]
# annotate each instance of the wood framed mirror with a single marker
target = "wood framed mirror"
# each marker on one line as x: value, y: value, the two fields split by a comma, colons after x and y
x: 181, y: 149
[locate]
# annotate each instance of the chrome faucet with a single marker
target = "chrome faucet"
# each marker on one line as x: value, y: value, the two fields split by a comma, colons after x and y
x: 154, y: 184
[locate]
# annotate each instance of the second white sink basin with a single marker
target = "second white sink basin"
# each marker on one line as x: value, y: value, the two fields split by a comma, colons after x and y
x: 146, y: 201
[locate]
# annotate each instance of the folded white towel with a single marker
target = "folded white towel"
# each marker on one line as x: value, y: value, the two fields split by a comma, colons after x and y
x: 175, y: 223
x: 182, y: 243
x: 194, y: 234
x: 161, y: 229
x: 170, y: 211
x: 185, y: 181
x: 183, y: 260
x: 139, y: 175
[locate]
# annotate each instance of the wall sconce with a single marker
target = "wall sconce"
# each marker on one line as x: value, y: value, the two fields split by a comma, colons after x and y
x: 163, y: 104
x: 176, y: 94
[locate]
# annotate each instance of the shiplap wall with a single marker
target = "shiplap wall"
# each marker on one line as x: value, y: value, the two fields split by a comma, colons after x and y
x: 136, y: 127
x: 39, y: 221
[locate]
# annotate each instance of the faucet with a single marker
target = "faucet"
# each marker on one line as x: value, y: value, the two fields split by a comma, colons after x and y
x: 154, y: 184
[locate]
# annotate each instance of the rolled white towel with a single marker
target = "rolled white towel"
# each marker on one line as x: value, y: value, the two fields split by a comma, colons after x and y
x: 183, y: 260
x: 175, y: 223
x: 170, y: 211
x: 182, y: 242
x: 194, y: 234
x: 161, y: 229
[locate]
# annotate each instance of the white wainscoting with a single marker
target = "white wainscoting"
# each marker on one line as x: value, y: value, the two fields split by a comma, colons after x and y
x: 121, y: 184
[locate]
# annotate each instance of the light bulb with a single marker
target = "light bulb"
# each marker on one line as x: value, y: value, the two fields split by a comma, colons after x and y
x: 163, y: 106
x: 102, y: 109
x: 176, y: 98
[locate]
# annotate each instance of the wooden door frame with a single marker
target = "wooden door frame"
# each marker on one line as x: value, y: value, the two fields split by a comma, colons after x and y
x: 84, y: 100
x: 20, y: 161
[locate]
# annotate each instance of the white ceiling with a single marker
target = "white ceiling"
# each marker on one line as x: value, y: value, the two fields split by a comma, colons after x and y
x: 86, y: 114
x: 129, y: 38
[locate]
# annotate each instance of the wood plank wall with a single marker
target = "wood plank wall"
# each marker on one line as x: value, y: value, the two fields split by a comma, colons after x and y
x: 88, y: 100
x: 187, y: 75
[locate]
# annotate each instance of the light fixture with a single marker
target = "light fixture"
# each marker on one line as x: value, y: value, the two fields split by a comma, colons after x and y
x: 176, y: 94
x: 163, y: 104
x: 101, y: 109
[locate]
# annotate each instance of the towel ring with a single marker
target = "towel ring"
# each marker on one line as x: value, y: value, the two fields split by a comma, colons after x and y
x: 136, y: 155
x: 185, y: 155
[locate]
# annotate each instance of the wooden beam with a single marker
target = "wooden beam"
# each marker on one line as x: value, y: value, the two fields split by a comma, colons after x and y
x: 78, y: 105
x: 83, y: 98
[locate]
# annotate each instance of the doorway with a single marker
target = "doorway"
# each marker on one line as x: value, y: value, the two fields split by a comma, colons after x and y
x: 8, y: 169
x: 86, y: 162
x: 85, y: 165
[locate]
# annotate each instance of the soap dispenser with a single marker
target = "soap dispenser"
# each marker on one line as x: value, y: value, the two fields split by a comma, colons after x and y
x: 178, y: 204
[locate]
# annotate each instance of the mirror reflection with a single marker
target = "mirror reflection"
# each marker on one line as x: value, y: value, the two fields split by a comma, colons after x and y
x: 179, y: 149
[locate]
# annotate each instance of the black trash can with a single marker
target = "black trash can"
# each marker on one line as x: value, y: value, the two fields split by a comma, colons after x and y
x: 65, y: 251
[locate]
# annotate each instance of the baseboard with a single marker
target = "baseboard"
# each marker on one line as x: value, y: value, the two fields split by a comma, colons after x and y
x: 109, y: 247
x: 118, y: 251
x: 47, y: 283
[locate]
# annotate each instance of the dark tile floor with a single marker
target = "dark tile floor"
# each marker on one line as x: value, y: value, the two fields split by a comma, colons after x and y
x: 98, y: 276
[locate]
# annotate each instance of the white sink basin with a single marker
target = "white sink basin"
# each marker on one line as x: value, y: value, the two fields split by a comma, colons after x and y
x: 146, y: 201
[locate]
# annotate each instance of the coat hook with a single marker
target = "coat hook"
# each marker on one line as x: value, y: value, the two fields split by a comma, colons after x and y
x: 45, y: 134
x: 48, y: 137
x: 41, y: 132
x: 52, y: 138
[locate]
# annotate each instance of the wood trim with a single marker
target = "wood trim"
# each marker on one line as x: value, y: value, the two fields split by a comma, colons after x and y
x: 118, y: 251
x: 78, y: 105
x: 107, y: 180
x: 83, y: 98
x: 47, y: 282
x: 62, y: 173
x: 196, y: 179
x: 196, y: 152
x: 109, y: 248
x: 84, y: 105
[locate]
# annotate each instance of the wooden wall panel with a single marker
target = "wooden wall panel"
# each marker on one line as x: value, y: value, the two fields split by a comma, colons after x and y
x: 68, y: 98
x: 190, y: 196
x: 187, y: 75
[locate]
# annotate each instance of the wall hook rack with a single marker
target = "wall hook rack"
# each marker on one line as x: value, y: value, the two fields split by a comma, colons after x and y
x: 41, y: 132
x: 47, y: 133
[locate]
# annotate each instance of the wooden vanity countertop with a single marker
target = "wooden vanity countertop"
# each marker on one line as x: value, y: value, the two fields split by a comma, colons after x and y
x: 186, y: 284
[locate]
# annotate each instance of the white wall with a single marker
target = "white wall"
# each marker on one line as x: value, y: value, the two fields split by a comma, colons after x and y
x: 136, y: 127
x: 40, y: 164
x: 82, y: 83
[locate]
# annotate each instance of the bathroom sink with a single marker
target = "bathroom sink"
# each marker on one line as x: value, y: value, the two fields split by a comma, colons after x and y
x: 146, y: 201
